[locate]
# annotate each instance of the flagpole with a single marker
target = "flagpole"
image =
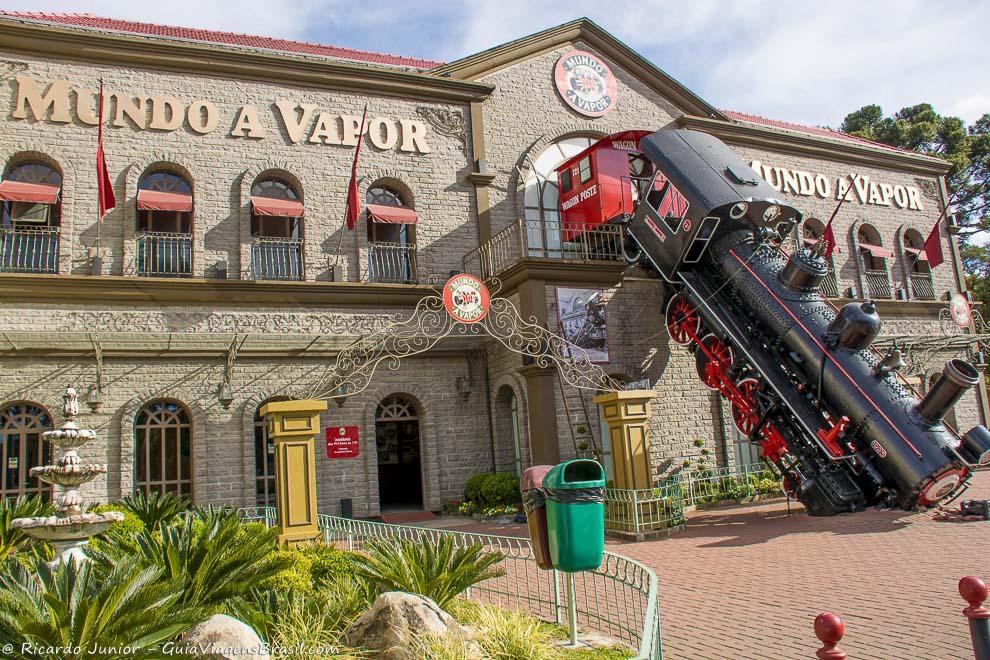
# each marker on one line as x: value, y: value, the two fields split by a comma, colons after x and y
x: 820, y: 251
x: 99, y: 219
x: 941, y: 215
x: 357, y: 150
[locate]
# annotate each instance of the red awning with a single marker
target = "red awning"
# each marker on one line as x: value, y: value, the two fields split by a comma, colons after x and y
x: 877, y: 250
x: 36, y: 193
x: 154, y: 200
x: 918, y: 252
x: 809, y: 241
x: 395, y: 215
x: 284, y: 208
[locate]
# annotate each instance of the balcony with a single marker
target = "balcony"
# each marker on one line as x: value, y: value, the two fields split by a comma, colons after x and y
x: 830, y: 286
x: 392, y: 263
x: 162, y: 254
x: 877, y: 284
x: 544, y: 239
x: 25, y: 250
x: 276, y: 258
x: 921, y: 286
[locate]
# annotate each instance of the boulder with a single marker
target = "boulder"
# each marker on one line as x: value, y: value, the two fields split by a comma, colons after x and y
x: 396, y: 619
x: 223, y: 637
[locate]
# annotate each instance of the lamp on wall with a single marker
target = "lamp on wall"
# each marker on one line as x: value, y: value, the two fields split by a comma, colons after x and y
x: 225, y: 394
x: 94, y: 398
x: 463, y: 384
x: 980, y: 360
x: 340, y: 395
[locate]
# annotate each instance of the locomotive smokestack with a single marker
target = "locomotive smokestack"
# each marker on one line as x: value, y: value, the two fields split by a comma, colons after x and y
x: 957, y: 377
x: 804, y: 271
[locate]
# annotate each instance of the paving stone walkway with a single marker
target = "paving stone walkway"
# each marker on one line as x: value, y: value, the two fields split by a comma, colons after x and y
x: 748, y: 582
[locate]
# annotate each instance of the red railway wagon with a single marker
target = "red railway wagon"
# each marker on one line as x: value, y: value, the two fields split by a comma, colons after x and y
x: 596, y: 186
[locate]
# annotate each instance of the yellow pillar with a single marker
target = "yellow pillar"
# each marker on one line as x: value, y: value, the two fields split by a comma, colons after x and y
x: 293, y: 425
x: 628, y: 416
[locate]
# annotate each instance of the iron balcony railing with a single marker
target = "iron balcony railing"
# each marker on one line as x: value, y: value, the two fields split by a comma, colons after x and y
x: 921, y: 286
x: 545, y: 239
x: 878, y: 284
x: 830, y: 285
x: 276, y: 258
x: 161, y: 254
x: 24, y: 250
x: 619, y: 599
x: 393, y: 263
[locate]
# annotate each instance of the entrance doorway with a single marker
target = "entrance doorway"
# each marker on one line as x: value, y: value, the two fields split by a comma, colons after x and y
x: 400, y: 476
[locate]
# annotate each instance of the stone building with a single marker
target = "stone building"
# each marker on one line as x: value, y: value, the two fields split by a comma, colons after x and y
x: 225, y: 276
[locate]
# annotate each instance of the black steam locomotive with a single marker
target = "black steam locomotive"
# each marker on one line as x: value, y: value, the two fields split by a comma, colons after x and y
x: 828, y: 411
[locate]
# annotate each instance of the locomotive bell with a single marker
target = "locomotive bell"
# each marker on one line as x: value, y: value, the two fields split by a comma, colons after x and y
x: 855, y: 327
x: 804, y: 271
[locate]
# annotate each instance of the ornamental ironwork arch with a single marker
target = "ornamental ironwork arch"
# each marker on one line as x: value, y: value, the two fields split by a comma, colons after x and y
x: 355, y: 365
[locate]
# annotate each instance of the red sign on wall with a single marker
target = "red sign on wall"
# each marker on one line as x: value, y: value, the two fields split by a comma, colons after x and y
x: 342, y: 442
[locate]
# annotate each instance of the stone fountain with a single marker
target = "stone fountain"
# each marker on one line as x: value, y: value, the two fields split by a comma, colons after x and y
x: 70, y: 528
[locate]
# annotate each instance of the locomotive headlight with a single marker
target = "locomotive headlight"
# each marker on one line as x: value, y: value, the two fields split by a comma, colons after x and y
x: 772, y: 212
x: 738, y: 210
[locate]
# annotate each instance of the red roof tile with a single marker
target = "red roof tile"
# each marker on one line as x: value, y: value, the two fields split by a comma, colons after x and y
x: 811, y: 130
x: 225, y: 38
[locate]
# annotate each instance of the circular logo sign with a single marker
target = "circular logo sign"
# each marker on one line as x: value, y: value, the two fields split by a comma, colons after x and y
x: 959, y: 310
x: 466, y: 298
x: 586, y: 83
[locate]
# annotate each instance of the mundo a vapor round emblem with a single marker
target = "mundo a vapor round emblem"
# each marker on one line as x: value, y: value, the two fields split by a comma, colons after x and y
x: 959, y: 310
x: 466, y: 298
x: 586, y: 83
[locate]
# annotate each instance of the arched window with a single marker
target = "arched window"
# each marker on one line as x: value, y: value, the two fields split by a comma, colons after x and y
x: 873, y: 261
x: 164, y: 225
x: 163, y: 448
x: 264, y: 459
x: 507, y: 430
x: 919, y: 271
x: 276, y: 230
x: 22, y: 448
x: 31, y: 212
x: 540, y: 195
x: 391, y: 235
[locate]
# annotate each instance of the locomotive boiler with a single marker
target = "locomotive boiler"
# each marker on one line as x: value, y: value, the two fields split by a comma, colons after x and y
x: 830, y: 413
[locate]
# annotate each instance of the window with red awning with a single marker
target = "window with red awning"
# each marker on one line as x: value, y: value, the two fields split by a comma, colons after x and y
x: 877, y: 250
x: 396, y: 215
x: 285, y: 208
x: 154, y: 200
x: 34, y: 193
x: 918, y: 252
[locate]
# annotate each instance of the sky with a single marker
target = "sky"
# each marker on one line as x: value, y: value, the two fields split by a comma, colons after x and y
x: 809, y: 63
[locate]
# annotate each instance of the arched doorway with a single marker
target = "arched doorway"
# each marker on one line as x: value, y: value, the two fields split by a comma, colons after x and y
x: 400, y: 475
x: 22, y: 448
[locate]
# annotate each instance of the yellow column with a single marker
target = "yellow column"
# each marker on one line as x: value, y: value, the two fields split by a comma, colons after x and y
x: 628, y: 415
x: 293, y: 425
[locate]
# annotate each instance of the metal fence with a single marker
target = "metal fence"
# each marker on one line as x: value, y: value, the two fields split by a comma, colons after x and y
x: 276, y: 258
x: 392, y: 263
x: 645, y: 510
x: 545, y: 239
x: 24, y: 250
x: 162, y: 254
x: 921, y: 286
x: 830, y: 285
x: 878, y: 284
x: 728, y: 483
x: 619, y: 599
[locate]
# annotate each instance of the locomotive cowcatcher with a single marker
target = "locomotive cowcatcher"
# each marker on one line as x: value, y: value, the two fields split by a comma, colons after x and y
x: 831, y: 414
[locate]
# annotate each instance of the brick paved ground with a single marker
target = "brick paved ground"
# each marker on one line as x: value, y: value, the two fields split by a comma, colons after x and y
x: 748, y: 582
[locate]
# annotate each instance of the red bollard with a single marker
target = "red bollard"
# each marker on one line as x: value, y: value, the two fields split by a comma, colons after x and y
x: 975, y: 592
x: 829, y: 629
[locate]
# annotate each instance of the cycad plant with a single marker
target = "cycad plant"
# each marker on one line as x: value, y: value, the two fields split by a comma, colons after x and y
x: 14, y: 539
x: 433, y: 568
x: 75, y: 611
x: 155, y: 508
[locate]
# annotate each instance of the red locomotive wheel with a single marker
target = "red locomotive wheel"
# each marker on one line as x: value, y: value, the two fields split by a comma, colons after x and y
x: 746, y: 421
x: 683, y: 322
x: 709, y: 368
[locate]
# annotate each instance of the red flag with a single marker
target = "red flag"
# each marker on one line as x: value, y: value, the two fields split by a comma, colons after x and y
x: 104, y: 187
x: 933, y: 247
x: 828, y: 238
x: 353, y: 205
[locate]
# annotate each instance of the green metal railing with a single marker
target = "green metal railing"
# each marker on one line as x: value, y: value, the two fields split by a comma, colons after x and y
x: 728, y: 483
x: 619, y: 599
x: 645, y: 510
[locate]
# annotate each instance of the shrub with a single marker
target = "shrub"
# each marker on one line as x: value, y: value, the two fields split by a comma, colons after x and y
x: 493, y: 489
x: 122, y: 534
x: 435, y: 569
x: 328, y: 562
x: 75, y: 607
x: 472, y: 489
x: 295, y: 575
x: 513, y: 635
x: 155, y: 508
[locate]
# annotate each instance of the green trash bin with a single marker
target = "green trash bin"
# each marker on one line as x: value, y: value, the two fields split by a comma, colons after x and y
x: 575, y: 492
